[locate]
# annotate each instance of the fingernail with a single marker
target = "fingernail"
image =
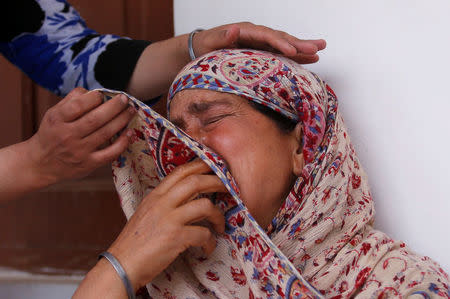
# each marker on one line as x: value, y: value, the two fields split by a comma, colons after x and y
x: 131, y: 110
x: 123, y: 99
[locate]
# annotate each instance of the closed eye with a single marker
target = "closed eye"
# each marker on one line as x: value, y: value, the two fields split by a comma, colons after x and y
x: 214, y: 119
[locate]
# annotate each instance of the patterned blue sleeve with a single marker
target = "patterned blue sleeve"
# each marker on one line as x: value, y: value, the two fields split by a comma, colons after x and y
x: 63, y: 53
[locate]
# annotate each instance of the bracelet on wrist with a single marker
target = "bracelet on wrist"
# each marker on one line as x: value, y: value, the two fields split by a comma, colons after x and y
x: 190, y: 41
x: 121, y: 272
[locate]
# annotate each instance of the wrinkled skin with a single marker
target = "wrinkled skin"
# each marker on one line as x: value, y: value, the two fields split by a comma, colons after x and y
x: 263, y: 160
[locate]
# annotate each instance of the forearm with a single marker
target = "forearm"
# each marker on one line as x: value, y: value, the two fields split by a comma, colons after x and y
x: 158, y: 66
x: 101, y: 282
x: 17, y: 174
x: 50, y: 42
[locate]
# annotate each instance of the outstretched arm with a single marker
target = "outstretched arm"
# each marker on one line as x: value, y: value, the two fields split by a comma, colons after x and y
x: 51, y: 43
x: 161, y: 61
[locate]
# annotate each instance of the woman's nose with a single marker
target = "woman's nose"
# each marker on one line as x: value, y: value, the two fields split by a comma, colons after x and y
x: 195, y: 134
x: 198, y: 136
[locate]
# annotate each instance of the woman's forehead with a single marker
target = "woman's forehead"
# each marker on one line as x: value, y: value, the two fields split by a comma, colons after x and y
x: 203, y: 94
x: 195, y: 101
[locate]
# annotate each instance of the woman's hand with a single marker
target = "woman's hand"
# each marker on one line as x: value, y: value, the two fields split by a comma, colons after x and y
x: 69, y: 140
x: 161, y: 61
x: 68, y: 144
x: 248, y: 35
x: 162, y: 227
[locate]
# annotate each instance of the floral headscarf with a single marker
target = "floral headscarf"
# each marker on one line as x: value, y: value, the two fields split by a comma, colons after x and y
x: 321, y: 242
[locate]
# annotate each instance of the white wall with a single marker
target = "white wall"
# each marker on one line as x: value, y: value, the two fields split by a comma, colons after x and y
x: 37, y: 290
x: 389, y: 63
x: 15, y: 284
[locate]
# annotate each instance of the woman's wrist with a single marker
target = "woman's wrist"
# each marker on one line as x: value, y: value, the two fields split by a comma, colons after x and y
x: 37, y: 175
x: 19, y: 166
x: 129, y: 287
x: 183, y: 49
x: 102, y: 281
x: 130, y: 270
x: 106, y: 270
x: 140, y: 264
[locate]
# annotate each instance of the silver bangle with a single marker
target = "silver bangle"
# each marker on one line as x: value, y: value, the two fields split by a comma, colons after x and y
x: 191, y: 37
x: 121, y: 272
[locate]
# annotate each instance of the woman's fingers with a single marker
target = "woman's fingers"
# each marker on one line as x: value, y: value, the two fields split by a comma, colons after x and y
x: 281, y: 42
x: 105, y: 133
x: 75, y: 105
x: 319, y: 43
x: 112, y: 151
x: 75, y: 93
x: 101, y: 115
x: 199, y: 236
x: 191, y: 186
x: 305, y: 59
x: 304, y: 46
x: 181, y: 172
x: 249, y: 35
x: 198, y: 210
x: 185, y: 183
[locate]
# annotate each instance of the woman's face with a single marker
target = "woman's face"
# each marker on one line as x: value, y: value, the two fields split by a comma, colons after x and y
x: 263, y: 160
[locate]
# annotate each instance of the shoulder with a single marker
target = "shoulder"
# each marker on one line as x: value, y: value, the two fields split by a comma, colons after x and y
x: 403, y: 273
